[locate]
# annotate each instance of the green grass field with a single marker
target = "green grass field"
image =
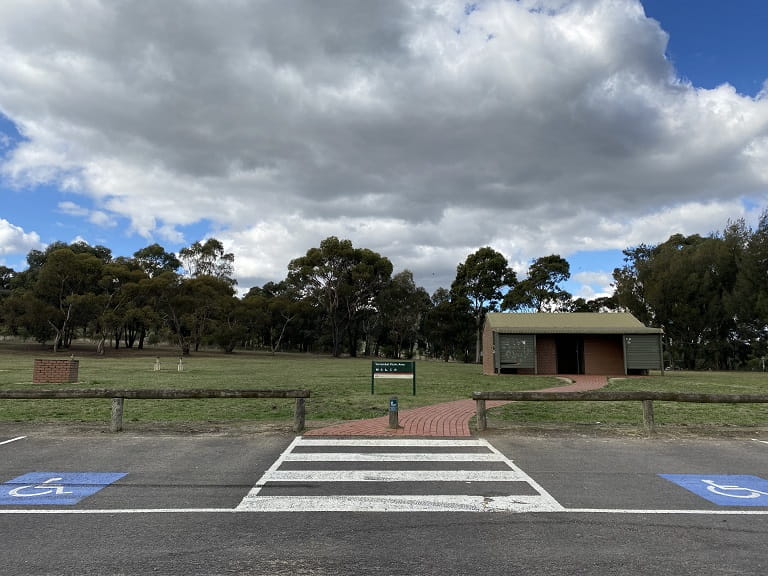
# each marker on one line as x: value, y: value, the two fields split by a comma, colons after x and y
x: 665, y: 413
x: 341, y: 390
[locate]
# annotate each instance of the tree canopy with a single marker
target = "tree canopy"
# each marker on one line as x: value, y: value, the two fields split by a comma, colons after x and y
x: 708, y: 293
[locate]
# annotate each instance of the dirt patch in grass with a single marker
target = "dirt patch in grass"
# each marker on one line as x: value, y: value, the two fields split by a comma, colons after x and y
x: 502, y: 429
x: 13, y: 429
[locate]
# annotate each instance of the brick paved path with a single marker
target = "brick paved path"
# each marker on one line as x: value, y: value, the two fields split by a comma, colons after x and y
x: 447, y: 419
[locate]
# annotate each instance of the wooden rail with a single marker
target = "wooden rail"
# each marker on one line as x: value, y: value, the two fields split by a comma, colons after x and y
x: 118, y: 397
x: 646, y: 397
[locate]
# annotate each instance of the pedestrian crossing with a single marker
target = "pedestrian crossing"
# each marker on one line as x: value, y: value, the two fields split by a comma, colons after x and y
x: 395, y: 475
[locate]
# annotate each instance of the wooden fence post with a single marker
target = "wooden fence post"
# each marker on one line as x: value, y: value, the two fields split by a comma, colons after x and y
x: 482, y: 418
x: 116, y: 424
x: 299, y: 415
x: 648, y: 421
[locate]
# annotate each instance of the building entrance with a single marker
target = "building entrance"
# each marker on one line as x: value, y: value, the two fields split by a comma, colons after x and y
x: 570, y: 354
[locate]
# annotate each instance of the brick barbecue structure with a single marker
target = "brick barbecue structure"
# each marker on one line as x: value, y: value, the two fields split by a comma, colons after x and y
x: 55, y: 371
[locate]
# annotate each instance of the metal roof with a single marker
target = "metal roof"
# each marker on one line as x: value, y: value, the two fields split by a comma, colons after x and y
x: 567, y: 323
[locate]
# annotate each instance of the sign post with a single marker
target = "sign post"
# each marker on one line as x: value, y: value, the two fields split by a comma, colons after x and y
x: 393, y: 369
x: 393, y: 413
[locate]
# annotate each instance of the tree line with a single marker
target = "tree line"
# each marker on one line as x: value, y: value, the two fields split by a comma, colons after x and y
x: 709, y: 294
x: 336, y: 299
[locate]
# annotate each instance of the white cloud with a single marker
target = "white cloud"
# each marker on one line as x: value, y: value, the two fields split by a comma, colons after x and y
x: 72, y: 209
x: 14, y: 240
x: 97, y: 217
x: 593, y: 284
x: 412, y: 128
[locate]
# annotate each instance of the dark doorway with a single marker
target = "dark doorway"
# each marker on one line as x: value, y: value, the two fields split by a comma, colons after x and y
x: 570, y: 354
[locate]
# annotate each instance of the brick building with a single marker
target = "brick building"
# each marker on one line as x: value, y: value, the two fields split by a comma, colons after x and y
x: 569, y: 343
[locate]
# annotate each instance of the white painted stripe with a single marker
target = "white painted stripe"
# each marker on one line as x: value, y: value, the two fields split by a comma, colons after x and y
x: 12, y: 440
x: 275, y: 465
x: 542, y: 501
x: 389, y: 457
x: 668, y: 511
x: 432, y: 503
x: 239, y: 509
x: 761, y: 441
x: 425, y: 443
x: 124, y: 511
x: 535, y: 485
x: 393, y: 476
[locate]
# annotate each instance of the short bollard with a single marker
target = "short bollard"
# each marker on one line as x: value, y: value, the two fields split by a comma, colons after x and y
x: 393, y: 417
x: 116, y: 423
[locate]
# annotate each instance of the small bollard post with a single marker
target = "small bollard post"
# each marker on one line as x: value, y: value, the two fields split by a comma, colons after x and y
x: 393, y: 416
x: 482, y: 417
x: 299, y: 415
x: 116, y: 424
x: 648, y: 420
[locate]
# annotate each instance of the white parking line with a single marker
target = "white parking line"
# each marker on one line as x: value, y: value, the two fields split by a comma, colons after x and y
x: 537, y: 508
x: 397, y: 476
x: 400, y: 503
x: 390, y: 457
x: 421, y: 443
x: 12, y: 440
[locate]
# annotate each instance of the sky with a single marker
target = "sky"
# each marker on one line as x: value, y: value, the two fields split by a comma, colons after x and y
x: 422, y: 130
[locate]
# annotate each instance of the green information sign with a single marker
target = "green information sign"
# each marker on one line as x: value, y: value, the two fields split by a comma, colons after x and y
x: 393, y: 369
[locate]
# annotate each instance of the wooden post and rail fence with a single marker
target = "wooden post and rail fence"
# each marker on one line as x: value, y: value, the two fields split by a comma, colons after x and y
x: 118, y: 397
x: 646, y: 397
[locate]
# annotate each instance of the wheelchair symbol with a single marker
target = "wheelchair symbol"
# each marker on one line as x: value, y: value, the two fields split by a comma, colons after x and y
x: 42, y: 489
x: 733, y: 491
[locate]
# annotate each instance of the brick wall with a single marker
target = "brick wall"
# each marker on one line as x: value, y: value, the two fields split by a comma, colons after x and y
x: 57, y: 371
x: 603, y: 355
x: 546, y: 355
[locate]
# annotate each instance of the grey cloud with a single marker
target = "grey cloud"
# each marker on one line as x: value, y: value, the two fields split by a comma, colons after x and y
x: 346, y: 112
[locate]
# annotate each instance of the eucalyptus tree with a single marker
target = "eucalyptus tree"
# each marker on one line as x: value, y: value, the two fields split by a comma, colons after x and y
x: 67, y: 280
x: 629, y: 283
x: 24, y: 314
x: 480, y: 279
x: 540, y: 290
x: 272, y: 309
x: 369, y: 274
x: 6, y: 276
x: 116, y: 303
x: 319, y: 276
x: 749, y: 300
x: 402, y: 308
x: 212, y: 308
x: 448, y: 326
x: 341, y: 282
x: 683, y: 285
x: 154, y: 259
x: 208, y: 259
x: 600, y: 304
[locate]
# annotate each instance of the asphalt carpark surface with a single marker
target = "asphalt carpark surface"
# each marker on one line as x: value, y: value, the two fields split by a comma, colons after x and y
x: 620, y: 515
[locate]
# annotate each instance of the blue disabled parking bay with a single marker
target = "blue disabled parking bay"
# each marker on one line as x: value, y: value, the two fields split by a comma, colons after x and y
x: 724, y: 490
x: 54, y: 488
